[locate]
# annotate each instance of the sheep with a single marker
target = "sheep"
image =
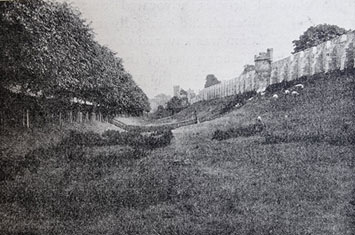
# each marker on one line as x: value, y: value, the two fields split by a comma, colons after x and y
x: 250, y: 99
x: 287, y: 92
x: 275, y: 96
x: 299, y: 86
x: 262, y: 93
x: 238, y: 105
x: 295, y: 93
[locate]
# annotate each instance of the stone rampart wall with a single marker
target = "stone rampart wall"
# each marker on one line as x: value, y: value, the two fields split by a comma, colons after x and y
x: 337, y: 53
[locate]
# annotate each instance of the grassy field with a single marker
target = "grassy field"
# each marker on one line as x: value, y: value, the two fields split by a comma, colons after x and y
x: 302, y: 184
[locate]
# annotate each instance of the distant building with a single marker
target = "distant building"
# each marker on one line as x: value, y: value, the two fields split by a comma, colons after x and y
x: 190, y: 95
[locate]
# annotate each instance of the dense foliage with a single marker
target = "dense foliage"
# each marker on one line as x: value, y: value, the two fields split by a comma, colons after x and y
x: 49, y: 50
x: 211, y: 80
x: 173, y: 106
x: 315, y: 35
x: 161, y: 112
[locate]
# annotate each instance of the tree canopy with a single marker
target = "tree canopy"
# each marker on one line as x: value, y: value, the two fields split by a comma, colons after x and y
x: 211, y: 80
x: 47, y: 47
x: 315, y: 35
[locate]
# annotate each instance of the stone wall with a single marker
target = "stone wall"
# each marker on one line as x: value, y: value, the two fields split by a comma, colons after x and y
x: 331, y: 55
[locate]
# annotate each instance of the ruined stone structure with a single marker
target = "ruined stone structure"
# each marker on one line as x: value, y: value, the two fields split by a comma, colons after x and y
x: 337, y: 53
x: 262, y: 70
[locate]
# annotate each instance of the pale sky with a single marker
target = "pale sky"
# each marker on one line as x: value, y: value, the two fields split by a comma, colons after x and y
x: 178, y: 42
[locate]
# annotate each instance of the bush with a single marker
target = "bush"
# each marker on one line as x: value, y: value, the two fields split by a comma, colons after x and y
x: 83, y: 139
x: 159, y: 138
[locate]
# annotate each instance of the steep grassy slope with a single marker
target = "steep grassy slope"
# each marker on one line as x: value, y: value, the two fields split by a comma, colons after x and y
x: 197, y: 185
x: 206, y: 110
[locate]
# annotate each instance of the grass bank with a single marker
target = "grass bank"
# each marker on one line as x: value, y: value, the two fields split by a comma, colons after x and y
x: 196, y: 185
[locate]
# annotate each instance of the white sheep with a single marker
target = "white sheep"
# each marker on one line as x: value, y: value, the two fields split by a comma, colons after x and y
x: 287, y: 92
x: 295, y: 93
x: 262, y: 93
x: 299, y: 86
x: 275, y: 96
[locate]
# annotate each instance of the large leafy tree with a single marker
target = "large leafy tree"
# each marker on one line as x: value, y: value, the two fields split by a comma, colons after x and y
x: 315, y: 35
x: 48, y: 48
x: 211, y: 80
x: 174, y: 105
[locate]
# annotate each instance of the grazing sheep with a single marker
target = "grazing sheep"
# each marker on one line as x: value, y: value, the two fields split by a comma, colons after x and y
x: 275, y: 96
x: 238, y: 105
x: 299, y: 86
x: 287, y: 92
x: 295, y: 93
x: 250, y: 98
x: 262, y: 93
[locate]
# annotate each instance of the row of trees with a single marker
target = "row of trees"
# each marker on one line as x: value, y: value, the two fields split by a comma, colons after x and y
x: 316, y: 35
x: 49, y: 50
x: 173, y: 106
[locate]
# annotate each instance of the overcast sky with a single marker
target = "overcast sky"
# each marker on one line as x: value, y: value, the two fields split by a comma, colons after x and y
x: 178, y: 42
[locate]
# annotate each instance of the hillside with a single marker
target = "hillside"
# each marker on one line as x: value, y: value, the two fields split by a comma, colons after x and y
x: 303, y: 184
x: 206, y: 110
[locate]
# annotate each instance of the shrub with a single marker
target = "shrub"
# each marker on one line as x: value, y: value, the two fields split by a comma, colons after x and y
x: 82, y: 139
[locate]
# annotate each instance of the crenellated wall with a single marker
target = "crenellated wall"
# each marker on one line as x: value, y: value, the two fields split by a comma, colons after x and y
x: 337, y: 53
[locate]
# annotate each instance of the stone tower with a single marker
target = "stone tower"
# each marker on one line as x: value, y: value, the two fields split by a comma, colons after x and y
x: 263, y: 69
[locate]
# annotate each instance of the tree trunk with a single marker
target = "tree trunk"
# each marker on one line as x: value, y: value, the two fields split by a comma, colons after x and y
x: 23, y: 118
x: 71, y: 116
x: 28, y: 118
x: 78, y: 117
x: 60, y: 118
